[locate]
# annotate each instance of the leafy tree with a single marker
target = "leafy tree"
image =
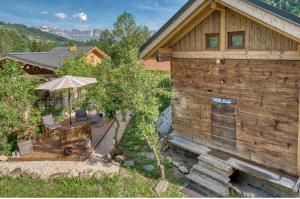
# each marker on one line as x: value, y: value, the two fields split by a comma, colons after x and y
x: 76, y: 66
x: 124, y: 39
x: 131, y: 88
x: 17, y: 97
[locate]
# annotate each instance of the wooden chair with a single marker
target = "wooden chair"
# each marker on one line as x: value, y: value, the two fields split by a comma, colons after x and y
x: 81, y: 115
x: 95, y: 118
x: 49, y: 126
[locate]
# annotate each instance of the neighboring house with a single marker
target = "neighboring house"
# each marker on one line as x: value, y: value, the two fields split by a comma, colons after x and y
x: 235, y: 69
x: 44, y: 63
x: 154, y: 65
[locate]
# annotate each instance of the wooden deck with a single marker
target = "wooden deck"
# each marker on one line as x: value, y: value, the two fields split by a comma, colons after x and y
x: 75, y: 136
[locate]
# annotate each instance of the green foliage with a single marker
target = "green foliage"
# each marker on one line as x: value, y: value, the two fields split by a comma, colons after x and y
x: 19, y: 38
x: 292, y: 6
x: 124, y: 39
x: 125, y: 184
x: 17, y: 97
x: 75, y: 66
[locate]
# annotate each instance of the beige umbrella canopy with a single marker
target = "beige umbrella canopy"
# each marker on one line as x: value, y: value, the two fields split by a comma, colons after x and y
x: 67, y: 82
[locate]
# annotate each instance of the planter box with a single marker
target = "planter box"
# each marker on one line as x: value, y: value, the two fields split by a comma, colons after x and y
x: 25, y: 147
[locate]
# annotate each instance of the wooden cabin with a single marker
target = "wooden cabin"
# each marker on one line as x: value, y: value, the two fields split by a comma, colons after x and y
x: 44, y: 63
x: 235, y: 70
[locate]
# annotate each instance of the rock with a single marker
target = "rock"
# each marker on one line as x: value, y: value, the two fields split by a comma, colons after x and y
x: 3, y: 158
x: 4, y: 171
x: 72, y: 173
x: 128, y: 163
x: 164, y: 122
x: 35, y: 175
x: 176, y: 173
x: 31, y: 174
x: 87, y: 173
x: 183, y: 169
x: 16, y: 172
x: 56, y: 175
x: 161, y: 186
x: 120, y: 158
x: 98, y: 174
x: 136, y: 147
x: 148, y: 155
x: 148, y: 167
x: 94, y: 159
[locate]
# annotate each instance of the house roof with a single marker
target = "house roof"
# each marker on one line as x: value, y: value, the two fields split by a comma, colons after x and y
x: 291, y: 26
x: 46, y: 60
x: 153, y: 64
x: 66, y: 49
x: 276, y: 11
x: 49, y: 60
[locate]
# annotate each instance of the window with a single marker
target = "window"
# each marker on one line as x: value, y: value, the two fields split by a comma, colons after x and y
x: 212, y: 41
x: 236, y: 40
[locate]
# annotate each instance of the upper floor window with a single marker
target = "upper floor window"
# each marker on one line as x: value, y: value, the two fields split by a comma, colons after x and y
x: 212, y: 41
x: 236, y: 40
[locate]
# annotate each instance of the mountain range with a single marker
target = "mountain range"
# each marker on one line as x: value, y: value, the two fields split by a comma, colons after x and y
x: 74, y: 34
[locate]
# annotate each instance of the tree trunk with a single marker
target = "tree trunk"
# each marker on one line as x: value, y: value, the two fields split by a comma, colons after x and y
x: 157, y: 158
x: 116, y: 135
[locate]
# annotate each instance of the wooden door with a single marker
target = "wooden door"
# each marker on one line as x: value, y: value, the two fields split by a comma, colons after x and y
x: 223, y: 125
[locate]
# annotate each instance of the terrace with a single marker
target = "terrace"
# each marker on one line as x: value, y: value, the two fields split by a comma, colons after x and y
x: 81, y: 138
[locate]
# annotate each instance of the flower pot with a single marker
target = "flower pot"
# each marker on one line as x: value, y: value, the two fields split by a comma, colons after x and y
x: 25, y: 147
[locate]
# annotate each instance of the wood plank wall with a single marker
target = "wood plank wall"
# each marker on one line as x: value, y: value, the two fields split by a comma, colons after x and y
x: 258, y: 37
x: 267, y: 105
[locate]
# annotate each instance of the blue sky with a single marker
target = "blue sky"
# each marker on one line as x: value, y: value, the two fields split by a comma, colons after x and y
x: 87, y: 14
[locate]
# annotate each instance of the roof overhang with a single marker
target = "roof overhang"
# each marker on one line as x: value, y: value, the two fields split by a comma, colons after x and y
x: 29, y: 62
x: 165, y: 37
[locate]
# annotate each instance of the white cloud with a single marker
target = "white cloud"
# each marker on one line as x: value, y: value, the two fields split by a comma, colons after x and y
x: 80, y: 16
x: 60, y: 15
x: 45, y: 12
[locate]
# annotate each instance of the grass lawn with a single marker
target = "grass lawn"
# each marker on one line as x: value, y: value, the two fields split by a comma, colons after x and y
x: 130, y: 182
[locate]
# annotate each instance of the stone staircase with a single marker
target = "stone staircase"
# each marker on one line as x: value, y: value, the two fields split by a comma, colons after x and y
x: 212, y: 175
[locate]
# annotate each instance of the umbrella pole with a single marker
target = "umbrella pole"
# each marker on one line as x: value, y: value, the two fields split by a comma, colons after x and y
x: 69, y: 99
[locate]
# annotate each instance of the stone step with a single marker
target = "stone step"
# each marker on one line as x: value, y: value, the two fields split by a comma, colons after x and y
x: 193, y: 190
x: 217, y: 163
x: 210, y: 184
x: 214, y: 169
x: 200, y: 170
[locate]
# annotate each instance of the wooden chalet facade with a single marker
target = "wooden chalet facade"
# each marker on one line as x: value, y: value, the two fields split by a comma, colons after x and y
x: 235, y: 69
x: 44, y: 63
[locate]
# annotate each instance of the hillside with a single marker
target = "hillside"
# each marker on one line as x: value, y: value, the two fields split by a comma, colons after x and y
x: 20, y: 38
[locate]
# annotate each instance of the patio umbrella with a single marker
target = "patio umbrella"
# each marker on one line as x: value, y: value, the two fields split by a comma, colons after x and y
x: 67, y: 82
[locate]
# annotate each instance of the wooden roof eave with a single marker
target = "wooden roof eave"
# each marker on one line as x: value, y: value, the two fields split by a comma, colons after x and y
x: 170, y: 31
x: 25, y: 61
x: 263, y: 17
x: 274, y: 22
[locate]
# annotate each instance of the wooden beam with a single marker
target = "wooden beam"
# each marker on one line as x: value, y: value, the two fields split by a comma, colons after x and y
x: 191, y: 25
x: 213, y: 5
x: 298, y: 151
x: 260, y: 55
x: 298, y: 47
x: 164, y: 54
x: 165, y: 51
x: 223, y: 40
x: 265, y: 18
x: 161, y: 40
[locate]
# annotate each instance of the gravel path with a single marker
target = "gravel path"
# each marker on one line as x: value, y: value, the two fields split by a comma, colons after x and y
x: 49, y: 169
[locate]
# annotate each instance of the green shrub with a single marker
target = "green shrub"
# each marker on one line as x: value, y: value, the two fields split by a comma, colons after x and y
x: 17, y: 96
